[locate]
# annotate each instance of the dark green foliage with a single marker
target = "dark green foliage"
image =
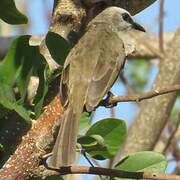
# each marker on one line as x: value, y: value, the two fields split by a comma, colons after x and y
x: 146, y: 161
x: 58, y: 47
x: 21, y: 62
x: 10, y: 14
x: 104, y: 138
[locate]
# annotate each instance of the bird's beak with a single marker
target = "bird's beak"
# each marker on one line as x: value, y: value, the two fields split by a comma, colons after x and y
x: 138, y: 27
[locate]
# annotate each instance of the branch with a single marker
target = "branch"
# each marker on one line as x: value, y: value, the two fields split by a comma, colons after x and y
x: 148, y: 95
x: 132, y: 6
x: 171, y: 137
x: 114, y: 173
x: 25, y: 160
x: 155, y: 112
x: 161, y: 25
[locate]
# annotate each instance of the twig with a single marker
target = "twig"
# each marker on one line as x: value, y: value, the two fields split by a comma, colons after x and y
x: 161, y: 26
x: 171, y: 137
x: 143, y: 96
x: 89, y: 161
x: 114, y: 173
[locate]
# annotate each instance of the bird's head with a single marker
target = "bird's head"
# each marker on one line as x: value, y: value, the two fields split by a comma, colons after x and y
x: 119, y: 19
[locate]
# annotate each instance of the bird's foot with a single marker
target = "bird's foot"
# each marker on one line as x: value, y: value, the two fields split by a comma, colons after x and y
x: 46, y: 156
x: 107, y: 101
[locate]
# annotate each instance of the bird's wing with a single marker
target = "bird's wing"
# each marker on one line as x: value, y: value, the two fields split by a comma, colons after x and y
x: 110, y: 61
x: 64, y: 90
x: 91, y: 68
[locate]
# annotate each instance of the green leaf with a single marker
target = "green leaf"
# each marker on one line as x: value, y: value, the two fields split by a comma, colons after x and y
x: 6, y: 95
x: 8, y: 72
x: 11, y: 63
x: 113, y: 132
x: 30, y: 63
x: 85, y: 118
x: 10, y: 14
x: 42, y: 89
x: 146, y: 161
x: 21, y: 62
x: 58, y: 47
x: 94, y: 145
x: 90, y: 142
x: 11, y: 104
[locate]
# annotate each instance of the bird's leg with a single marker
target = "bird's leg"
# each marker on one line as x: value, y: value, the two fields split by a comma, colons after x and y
x: 46, y: 156
x: 106, y: 102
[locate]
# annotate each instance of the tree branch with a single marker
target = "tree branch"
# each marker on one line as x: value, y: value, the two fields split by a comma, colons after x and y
x: 171, y: 137
x: 132, y: 6
x: 161, y: 25
x: 25, y: 160
x: 138, y: 98
x: 114, y: 173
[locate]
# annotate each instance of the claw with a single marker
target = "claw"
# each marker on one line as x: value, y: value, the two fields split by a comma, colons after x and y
x: 106, y: 101
x: 46, y: 156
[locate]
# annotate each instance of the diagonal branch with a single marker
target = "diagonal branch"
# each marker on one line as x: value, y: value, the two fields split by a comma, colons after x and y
x: 171, y: 137
x: 34, y: 143
x: 148, y: 95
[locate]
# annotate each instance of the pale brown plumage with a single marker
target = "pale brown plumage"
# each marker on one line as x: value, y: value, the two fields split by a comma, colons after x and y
x: 89, y: 72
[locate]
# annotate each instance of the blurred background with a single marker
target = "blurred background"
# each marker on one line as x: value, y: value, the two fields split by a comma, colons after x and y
x: 139, y: 73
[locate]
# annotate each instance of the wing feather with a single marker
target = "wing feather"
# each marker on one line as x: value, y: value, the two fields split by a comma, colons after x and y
x: 90, y: 71
x: 110, y: 62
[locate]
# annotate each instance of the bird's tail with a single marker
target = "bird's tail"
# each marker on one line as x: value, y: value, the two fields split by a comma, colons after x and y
x: 64, y: 150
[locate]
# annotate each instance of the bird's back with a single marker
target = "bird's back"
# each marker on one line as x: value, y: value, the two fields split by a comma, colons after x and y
x: 92, y: 66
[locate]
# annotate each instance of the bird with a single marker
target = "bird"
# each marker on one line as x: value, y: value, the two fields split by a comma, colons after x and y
x: 89, y: 71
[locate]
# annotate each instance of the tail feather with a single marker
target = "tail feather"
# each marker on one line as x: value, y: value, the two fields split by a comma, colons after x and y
x: 64, y: 150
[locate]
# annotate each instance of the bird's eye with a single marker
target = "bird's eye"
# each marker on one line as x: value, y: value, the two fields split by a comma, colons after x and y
x: 127, y: 18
